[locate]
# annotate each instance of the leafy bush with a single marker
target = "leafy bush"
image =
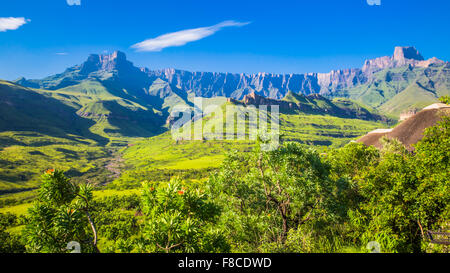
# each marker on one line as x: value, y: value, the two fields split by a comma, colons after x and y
x: 60, y: 215
x: 179, y: 218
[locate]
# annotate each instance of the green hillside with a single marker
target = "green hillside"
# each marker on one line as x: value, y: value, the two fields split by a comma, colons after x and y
x: 74, y: 129
x: 341, y: 107
x: 24, y: 109
x: 395, y: 90
x: 88, y: 109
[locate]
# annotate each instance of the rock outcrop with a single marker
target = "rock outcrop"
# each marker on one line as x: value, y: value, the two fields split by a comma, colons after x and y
x: 402, y: 56
x: 410, y: 131
x: 254, y: 99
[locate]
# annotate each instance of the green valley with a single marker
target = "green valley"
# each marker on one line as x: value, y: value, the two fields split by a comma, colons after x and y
x: 101, y: 139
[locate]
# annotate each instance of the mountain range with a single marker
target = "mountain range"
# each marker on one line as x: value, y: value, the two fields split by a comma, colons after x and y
x: 381, y: 83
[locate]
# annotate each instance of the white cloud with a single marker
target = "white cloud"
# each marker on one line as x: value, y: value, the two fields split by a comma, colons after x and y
x: 12, y: 23
x: 74, y: 2
x: 62, y: 53
x: 183, y: 37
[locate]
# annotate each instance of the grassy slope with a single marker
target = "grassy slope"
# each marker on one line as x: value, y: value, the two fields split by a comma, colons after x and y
x: 24, y: 109
x: 114, y: 117
x: 159, y: 158
x: 340, y: 107
x: 21, y: 209
x: 324, y: 130
x: 413, y: 97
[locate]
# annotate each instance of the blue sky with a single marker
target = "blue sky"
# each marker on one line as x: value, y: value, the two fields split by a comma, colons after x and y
x: 43, y: 37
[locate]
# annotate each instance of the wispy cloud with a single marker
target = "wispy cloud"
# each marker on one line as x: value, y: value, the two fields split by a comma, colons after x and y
x: 62, y: 53
x: 12, y: 23
x: 183, y: 37
x: 74, y: 2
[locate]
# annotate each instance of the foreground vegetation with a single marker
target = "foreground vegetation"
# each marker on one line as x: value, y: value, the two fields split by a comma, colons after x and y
x: 293, y: 199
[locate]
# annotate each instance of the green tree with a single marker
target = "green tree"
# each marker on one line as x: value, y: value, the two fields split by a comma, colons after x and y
x: 268, y: 194
x: 432, y: 166
x: 384, y: 213
x: 351, y: 160
x: 445, y: 99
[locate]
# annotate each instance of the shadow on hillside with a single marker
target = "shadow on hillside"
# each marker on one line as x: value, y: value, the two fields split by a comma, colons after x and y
x: 132, y: 122
x: 28, y: 111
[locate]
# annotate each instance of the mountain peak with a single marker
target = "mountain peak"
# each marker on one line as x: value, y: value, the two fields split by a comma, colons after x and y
x: 106, y: 62
x: 116, y: 55
x: 401, y: 53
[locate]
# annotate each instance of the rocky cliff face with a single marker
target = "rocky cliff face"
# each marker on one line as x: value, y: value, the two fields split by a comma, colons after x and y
x: 207, y: 84
x: 403, y: 54
x: 374, y: 65
x: 277, y: 85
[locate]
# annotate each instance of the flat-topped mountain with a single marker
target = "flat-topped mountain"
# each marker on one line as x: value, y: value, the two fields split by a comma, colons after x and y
x: 115, y: 61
